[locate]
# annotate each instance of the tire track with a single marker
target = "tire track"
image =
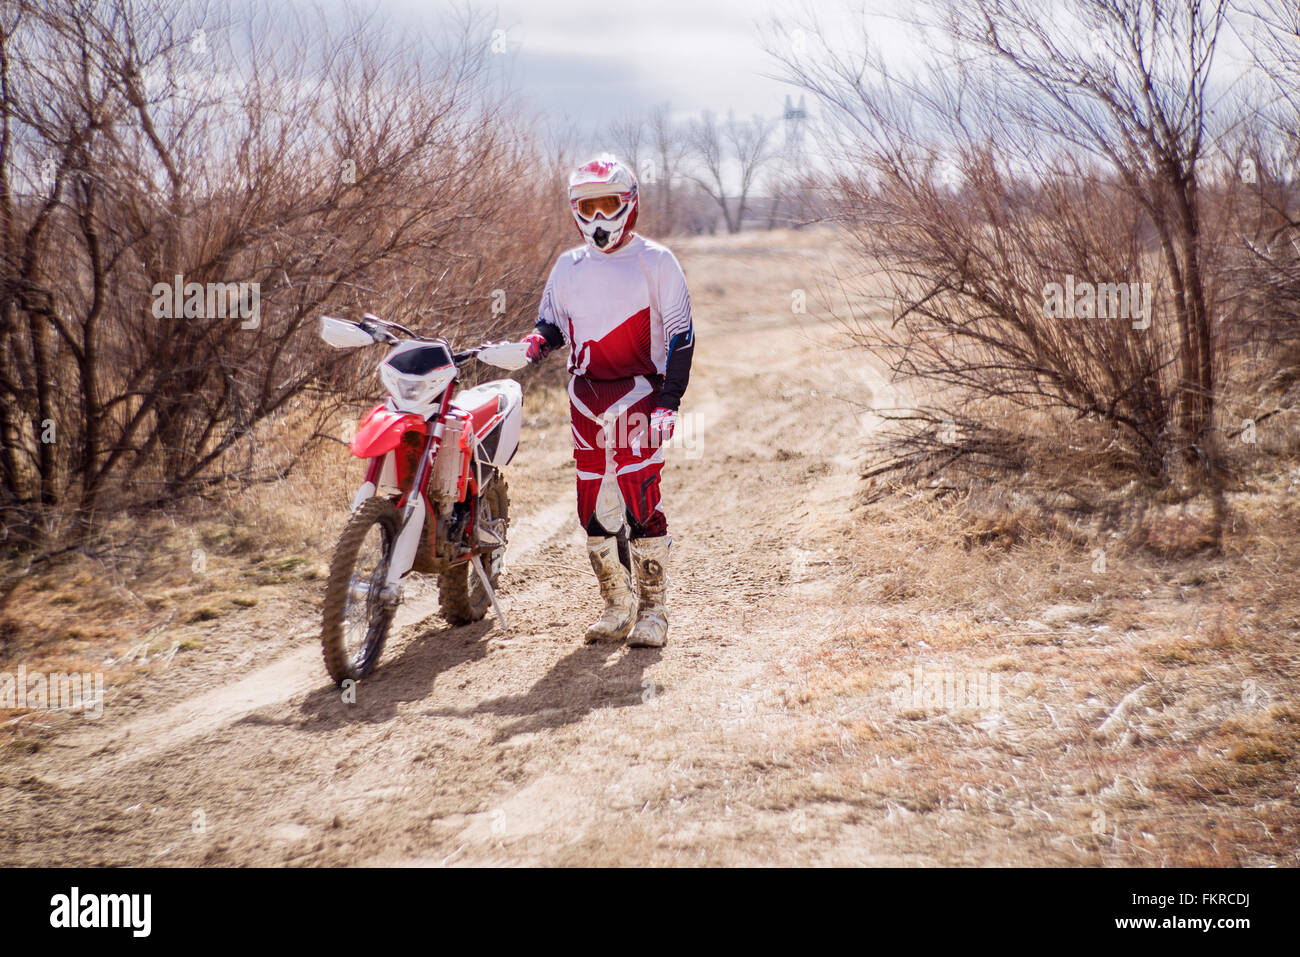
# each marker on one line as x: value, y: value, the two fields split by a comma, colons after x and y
x: 296, y: 673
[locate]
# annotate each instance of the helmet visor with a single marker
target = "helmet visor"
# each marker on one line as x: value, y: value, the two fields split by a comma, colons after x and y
x: 610, y: 205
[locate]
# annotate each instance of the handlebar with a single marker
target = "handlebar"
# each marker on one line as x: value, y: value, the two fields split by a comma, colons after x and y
x: 391, y: 333
x: 379, y: 329
x: 382, y: 331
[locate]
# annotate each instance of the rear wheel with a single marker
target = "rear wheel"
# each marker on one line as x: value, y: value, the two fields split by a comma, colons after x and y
x: 356, y: 617
x: 461, y: 595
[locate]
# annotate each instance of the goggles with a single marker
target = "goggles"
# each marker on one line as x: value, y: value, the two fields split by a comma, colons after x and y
x: 610, y: 205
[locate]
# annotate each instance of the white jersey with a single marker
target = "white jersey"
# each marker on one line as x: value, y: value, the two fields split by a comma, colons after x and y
x: 621, y: 313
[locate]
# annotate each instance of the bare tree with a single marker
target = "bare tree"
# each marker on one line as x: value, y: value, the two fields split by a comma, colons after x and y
x: 655, y: 147
x: 668, y: 146
x: 628, y: 138
x: 1024, y: 158
x: 1266, y: 159
x: 179, y: 205
x: 719, y: 148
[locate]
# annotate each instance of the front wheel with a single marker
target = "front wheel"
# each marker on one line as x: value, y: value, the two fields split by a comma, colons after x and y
x: 357, y: 617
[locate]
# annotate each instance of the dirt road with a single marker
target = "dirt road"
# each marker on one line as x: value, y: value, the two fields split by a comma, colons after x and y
x: 903, y: 683
x: 474, y: 746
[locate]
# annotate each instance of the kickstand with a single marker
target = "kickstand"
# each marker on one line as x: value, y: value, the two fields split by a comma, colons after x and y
x: 477, y: 562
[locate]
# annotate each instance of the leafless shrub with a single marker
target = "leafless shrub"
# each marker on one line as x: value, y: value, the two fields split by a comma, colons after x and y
x: 1039, y: 157
x: 1265, y: 273
x: 326, y: 165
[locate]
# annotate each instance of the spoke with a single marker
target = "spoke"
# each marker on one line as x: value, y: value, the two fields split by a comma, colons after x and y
x: 364, y: 608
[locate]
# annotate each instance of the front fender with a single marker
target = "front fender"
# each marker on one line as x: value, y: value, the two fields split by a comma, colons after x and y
x: 382, y: 429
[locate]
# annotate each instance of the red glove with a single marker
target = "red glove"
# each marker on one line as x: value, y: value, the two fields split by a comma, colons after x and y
x: 662, y: 423
x: 538, y: 347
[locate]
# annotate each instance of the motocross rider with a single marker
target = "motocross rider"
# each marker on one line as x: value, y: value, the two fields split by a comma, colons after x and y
x: 620, y: 304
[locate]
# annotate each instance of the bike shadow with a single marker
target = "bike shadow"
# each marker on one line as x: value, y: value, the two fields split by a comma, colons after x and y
x: 407, y: 677
x: 587, y: 678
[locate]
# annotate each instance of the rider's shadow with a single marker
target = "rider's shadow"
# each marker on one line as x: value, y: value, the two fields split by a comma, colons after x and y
x: 408, y: 677
x: 582, y: 681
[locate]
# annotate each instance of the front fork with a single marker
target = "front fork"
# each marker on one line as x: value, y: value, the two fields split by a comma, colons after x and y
x: 413, y: 515
x: 414, y: 509
x: 414, y: 512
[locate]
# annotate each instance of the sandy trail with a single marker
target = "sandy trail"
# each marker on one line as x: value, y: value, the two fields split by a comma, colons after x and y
x: 474, y: 746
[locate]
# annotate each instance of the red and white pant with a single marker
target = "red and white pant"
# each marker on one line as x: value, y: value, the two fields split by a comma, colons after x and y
x: 611, y: 446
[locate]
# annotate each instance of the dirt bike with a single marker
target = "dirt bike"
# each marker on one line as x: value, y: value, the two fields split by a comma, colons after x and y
x: 434, y: 499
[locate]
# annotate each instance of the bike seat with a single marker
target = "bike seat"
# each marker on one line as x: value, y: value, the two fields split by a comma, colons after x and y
x: 479, y: 404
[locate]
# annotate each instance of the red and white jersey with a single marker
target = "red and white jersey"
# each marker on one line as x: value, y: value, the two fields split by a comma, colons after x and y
x: 618, y: 311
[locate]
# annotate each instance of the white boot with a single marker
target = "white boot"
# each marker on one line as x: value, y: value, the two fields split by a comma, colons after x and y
x: 615, y: 587
x: 650, y: 562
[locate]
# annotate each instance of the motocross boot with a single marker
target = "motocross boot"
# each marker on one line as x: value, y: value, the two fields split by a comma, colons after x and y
x: 615, y: 587
x: 650, y: 561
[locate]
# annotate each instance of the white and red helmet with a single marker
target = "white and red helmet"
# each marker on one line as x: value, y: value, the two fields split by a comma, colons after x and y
x: 602, y: 195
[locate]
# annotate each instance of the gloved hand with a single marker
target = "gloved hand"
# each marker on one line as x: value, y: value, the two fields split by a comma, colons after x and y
x: 662, y: 423
x: 538, y: 347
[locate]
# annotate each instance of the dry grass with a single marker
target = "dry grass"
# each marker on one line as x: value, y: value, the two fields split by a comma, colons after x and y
x: 150, y: 586
x: 157, y: 585
x: 1079, y: 589
x: 1144, y: 714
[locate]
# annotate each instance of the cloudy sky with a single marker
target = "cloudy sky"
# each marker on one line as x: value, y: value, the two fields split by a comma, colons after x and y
x: 602, y: 60
x: 591, y: 62
x: 580, y: 65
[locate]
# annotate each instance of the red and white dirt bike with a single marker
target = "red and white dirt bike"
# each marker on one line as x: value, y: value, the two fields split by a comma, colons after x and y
x: 434, y: 499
